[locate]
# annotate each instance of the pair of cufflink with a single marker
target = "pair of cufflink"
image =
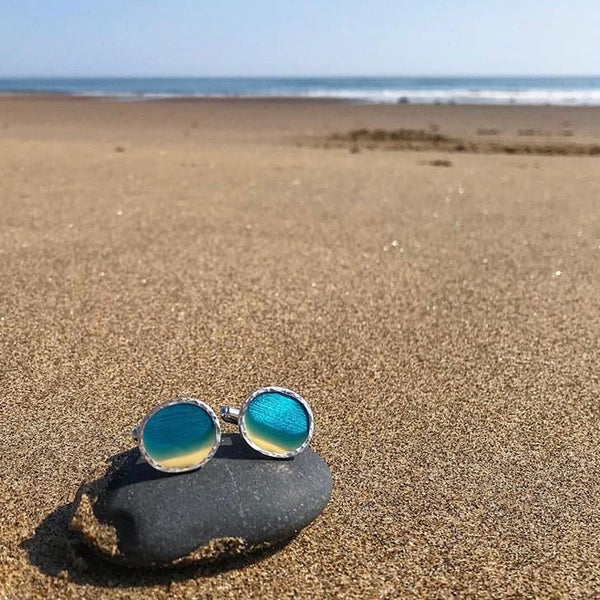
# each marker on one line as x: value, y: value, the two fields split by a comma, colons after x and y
x: 183, y: 434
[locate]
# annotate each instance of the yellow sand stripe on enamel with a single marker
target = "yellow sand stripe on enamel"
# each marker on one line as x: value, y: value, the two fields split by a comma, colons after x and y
x: 267, y: 445
x: 185, y: 460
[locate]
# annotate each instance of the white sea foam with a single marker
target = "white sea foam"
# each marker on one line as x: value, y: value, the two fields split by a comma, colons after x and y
x: 567, y: 97
x: 126, y: 95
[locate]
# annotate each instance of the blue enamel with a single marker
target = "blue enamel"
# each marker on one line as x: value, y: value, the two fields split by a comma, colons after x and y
x: 179, y: 436
x: 277, y: 422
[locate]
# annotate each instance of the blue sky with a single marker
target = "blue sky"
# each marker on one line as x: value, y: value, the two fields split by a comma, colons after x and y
x: 300, y: 37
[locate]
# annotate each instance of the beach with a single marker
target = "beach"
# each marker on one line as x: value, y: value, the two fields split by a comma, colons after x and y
x: 433, y: 295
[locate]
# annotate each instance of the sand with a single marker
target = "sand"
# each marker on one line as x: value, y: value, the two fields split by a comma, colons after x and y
x: 444, y: 324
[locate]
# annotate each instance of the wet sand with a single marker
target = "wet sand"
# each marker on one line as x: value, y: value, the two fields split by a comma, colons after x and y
x: 444, y: 324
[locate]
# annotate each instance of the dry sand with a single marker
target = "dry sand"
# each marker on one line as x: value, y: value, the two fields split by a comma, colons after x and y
x: 444, y: 323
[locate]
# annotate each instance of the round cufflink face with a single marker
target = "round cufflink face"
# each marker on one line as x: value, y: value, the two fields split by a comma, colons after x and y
x: 276, y: 422
x: 179, y: 435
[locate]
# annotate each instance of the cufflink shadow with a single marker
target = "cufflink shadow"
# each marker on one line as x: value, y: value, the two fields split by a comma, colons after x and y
x: 232, y: 447
x: 54, y: 548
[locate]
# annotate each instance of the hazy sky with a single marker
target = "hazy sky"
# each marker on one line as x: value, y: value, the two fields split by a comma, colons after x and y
x: 298, y: 37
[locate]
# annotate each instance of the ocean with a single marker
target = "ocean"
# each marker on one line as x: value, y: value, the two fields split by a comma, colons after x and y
x: 566, y: 91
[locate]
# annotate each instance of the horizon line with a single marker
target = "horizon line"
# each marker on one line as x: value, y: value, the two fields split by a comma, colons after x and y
x: 355, y: 76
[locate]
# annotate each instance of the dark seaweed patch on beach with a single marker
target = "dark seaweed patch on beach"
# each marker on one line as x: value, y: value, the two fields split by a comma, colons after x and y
x: 529, y: 132
x: 391, y: 135
x: 440, y: 162
x: 422, y: 140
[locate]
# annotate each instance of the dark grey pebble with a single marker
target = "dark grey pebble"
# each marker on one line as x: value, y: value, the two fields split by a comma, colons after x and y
x: 160, y: 518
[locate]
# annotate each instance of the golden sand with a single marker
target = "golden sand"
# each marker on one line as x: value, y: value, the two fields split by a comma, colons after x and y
x: 443, y: 323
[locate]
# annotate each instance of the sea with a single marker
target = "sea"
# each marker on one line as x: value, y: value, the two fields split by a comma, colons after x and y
x: 564, y: 91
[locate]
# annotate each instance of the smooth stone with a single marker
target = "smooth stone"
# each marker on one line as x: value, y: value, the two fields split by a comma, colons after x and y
x: 240, y: 495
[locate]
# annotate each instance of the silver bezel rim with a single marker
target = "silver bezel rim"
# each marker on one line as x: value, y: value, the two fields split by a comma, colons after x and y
x: 286, y: 392
x: 154, y: 410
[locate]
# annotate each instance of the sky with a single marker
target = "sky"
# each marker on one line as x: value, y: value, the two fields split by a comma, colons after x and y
x: 298, y: 37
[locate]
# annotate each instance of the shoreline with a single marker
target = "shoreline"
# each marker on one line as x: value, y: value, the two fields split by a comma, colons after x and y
x: 505, y: 90
x: 157, y: 97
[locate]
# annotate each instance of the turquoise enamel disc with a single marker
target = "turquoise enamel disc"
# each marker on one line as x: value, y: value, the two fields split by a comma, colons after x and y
x: 276, y: 422
x: 180, y: 435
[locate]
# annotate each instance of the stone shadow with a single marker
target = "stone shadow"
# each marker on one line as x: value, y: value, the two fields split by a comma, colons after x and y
x: 54, y: 548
